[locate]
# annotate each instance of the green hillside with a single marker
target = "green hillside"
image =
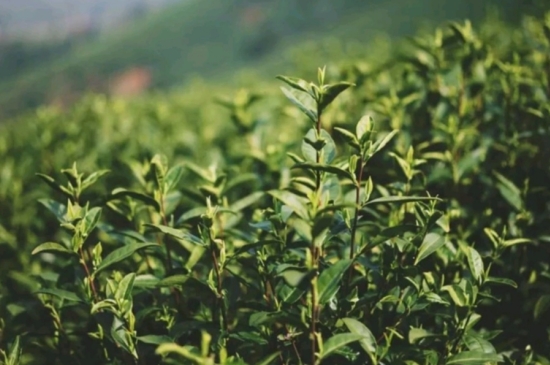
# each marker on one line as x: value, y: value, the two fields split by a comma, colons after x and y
x: 217, y: 37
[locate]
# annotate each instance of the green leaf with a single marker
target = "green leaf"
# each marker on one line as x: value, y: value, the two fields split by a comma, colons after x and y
x: 401, y: 199
x: 368, y: 342
x: 293, y: 201
x: 122, y: 337
x: 515, y: 241
x: 326, y: 168
x: 503, y: 281
x: 327, y: 153
x: 184, y: 351
x: 509, y: 191
x: 125, y: 287
x: 92, y: 178
x: 269, y: 360
x: 457, y: 294
x: 51, y: 246
x: 475, y: 262
x: 338, y: 341
x: 190, y: 214
x: 172, y: 178
x: 59, y: 210
x: 431, y: 243
x: 246, y: 201
x: 120, y: 193
x: 155, y: 339
x: 295, y: 83
x: 350, y: 138
x: 330, y: 279
x: 90, y: 219
x: 312, y: 115
x: 60, y: 293
x: 55, y: 186
x: 364, y: 126
x: 330, y: 92
x: 173, y: 280
x: 15, y: 351
x: 542, y: 306
x: 176, y: 233
x: 122, y: 253
x: 472, y: 358
x: 381, y: 143
x: 476, y: 343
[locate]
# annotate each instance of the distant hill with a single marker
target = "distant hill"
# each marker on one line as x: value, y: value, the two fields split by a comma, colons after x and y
x: 217, y: 37
x: 44, y: 20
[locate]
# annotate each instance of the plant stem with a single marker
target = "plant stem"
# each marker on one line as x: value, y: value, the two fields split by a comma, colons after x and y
x: 169, y: 266
x: 221, y: 307
x: 356, y: 215
x: 88, y: 275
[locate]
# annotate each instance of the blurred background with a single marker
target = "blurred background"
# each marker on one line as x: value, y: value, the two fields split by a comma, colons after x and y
x: 54, y: 51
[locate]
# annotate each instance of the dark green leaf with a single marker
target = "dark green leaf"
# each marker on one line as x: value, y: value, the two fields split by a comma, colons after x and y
x: 330, y: 279
x: 509, y: 191
x: 330, y: 92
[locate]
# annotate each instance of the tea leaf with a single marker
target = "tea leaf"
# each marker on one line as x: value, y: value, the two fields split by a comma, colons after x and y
x: 338, y: 341
x: 431, y: 243
x: 122, y: 253
x: 61, y: 294
x: 368, y: 342
x: 329, y: 280
x: 51, y: 246
x: 473, y: 358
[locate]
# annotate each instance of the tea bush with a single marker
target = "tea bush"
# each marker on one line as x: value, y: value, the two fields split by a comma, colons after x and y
x: 393, y: 214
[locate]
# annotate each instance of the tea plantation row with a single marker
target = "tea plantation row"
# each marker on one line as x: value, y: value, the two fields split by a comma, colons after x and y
x: 387, y: 214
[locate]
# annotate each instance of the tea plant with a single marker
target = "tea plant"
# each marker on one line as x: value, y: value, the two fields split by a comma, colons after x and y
x: 376, y: 216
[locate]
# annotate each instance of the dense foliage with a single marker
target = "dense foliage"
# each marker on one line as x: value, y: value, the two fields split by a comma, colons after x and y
x: 380, y: 215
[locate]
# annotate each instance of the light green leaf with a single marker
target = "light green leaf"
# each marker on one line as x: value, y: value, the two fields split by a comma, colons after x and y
x: 457, y: 294
x: 312, y: 115
x: 90, y: 219
x: 368, y: 342
x: 295, y: 83
x: 472, y: 358
x: 51, y: 246
x: 401, y: 199
x: 475, y: 262
x: 338, y: 341
x: 431, y: 243
x: 293, y: 201
x: 503, y: 281
x: 155, y: 339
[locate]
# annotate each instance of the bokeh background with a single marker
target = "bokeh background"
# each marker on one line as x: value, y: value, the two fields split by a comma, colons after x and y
x: 54, y: 51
